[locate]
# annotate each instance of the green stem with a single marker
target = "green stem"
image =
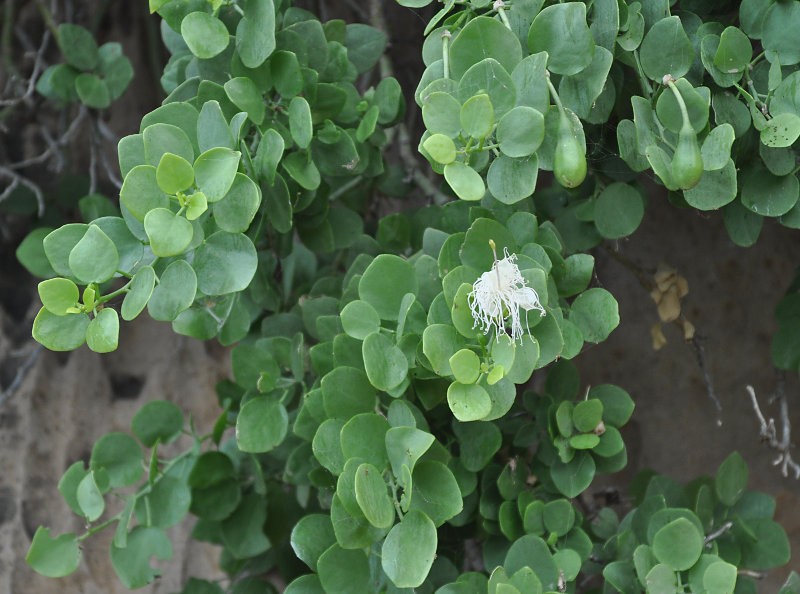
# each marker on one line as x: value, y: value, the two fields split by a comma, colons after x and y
x: 446, y: 53
x: 99, y: 527
x: 643, y: 82
x: 553, y: 92
x: 344, y: 188
x: 499, y: 6
x: 123, y: 289
x: 48, y: 18
x: 681, y: 104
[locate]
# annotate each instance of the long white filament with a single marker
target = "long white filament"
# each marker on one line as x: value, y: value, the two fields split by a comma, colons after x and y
x: 498, y: 294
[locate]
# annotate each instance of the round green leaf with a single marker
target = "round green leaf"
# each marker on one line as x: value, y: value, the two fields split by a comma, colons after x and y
x: 743, y: 225
x: 255, y: 33
x: 261, y: 425
x: 132, y: 563
x: 327, y: 446
x: 666, y: 49
x: 120, y: 456
x: 781, y: 22
x: 359, y: 319
x: 225, y: 263
x: 385, y: 363
x: 215, y: 170
x: 94, y: 259
x: 141, y: 193
x: 573, y: 477
x: 734, y: 52
x: 175, y: 292
x: 60, y: 333
x: 205, y: 35
x: 731, y: 479
x: 596, y: 313
x: 520, y: 131
x: 385, y: 282
x: 441, y: 148
x: 364, y: 436
x: 719, y: 578
x: 716, y: 148
x: 669, y: 112
x: 311, y: 536
x: 466, y: 366
x: 769, y: 195
x: 170, y: 234
x: 244, y: 94
x: 239, y: 206
x: 511, y: 180
x: 558, y: 516
x: 53, y: 557
x: 618, y: 210
x: 30, y: 253
x: 488, y: 77
x: 243, y: 531
x: 441, y: 114
x: 58, y: 295
x: 342, y: 571
x: 483, y: 36
x: 678, y: 544
x: 587, y: 414
x: 174, y: 174
x: 409, y: 550
x: 168, y: 501
x: 562, y: 32
x: 477, y: 116
x: 300, y: 124
x: 92, y: 90
x: 465, y: 181
x: 767, y: 548
x: 468, y: 402
x: 716, y: 188
x: 102, y: 334
x: 661, y: 579
x: 141, y: 288
x: 372, y: 496
x: 78, y: 46
x: 435, y: 492
x: 782, y: 130
x: 158, y: 420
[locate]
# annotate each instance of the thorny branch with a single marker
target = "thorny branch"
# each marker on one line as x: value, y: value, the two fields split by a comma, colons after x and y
x: 769, y: 433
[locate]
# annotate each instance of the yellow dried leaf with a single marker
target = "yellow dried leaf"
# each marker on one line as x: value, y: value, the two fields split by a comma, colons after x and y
x: 688, y: 329
x: 669, y: 308
x: 657, y: 334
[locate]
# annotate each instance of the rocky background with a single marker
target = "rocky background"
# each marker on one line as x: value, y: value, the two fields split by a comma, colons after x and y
x: 64, y: 402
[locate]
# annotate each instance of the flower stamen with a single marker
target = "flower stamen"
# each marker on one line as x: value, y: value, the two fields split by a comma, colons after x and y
x: 499, y: 293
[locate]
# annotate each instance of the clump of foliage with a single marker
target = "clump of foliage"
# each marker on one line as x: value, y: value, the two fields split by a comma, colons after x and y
x: 380, y: 406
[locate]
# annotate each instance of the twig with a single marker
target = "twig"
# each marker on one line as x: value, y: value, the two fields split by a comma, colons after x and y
x: 37, y: 68
x: 21, y: 371
x: 41, y: 158
x: 92, y: 157
x: 768, y: 432
x: 701, y: 362
x: 717, y: 533
x: 16, y: 180
x: 756, y: 575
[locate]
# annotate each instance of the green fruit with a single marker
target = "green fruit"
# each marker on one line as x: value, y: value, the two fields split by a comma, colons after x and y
x: 687, y: 164
x: 569, y: 161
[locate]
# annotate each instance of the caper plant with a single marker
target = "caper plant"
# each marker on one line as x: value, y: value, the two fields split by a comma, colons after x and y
x: 380, y: 389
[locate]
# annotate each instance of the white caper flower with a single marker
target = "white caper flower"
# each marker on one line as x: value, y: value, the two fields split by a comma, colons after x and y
x: 498, y: 294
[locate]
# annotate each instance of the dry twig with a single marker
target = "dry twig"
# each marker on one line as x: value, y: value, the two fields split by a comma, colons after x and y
x: 769, y: 433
